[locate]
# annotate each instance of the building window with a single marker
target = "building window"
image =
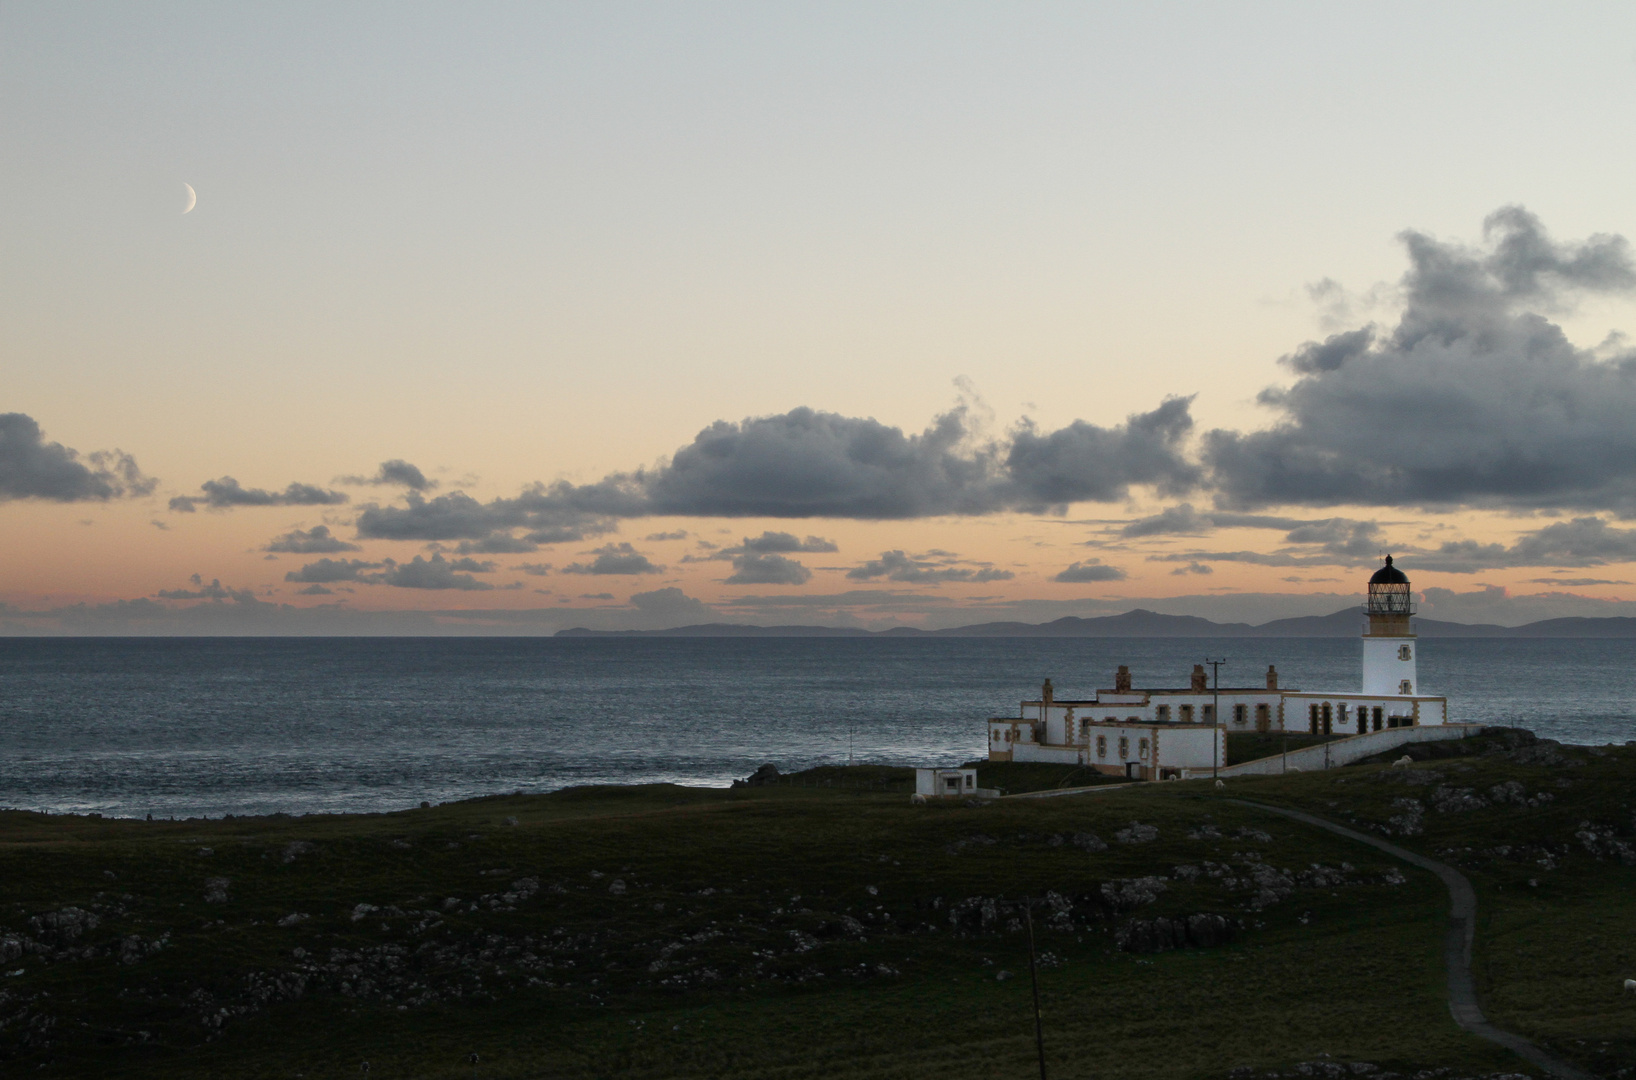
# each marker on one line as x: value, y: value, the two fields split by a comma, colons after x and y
x: 1378, y: 712
x: 1187, y: 714
x: 1124, y: 748
x: 1084, y: 730
x: 1162, y: 713
x: 1405, y: 687
x: 1209, y: 713
x: 1312, y: 718
x: 1101, y: 746
x: 1404, y: 653
x: 1141, y: 749
x: 1241, y: 714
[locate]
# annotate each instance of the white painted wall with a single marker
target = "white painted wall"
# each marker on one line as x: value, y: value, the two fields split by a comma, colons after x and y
x: 1385, y: 666
x: 1346, y: 751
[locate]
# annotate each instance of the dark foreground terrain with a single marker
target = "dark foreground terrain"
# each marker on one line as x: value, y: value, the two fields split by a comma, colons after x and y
x: 836, y: 931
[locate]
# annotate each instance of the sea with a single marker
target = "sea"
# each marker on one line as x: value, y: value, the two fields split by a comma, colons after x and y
x: 205, y: 727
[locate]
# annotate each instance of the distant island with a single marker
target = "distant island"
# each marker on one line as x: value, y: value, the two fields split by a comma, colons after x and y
x: 1144, y: 623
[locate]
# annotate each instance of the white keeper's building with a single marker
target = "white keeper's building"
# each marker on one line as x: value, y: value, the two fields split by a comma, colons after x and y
x: 1163, y: 734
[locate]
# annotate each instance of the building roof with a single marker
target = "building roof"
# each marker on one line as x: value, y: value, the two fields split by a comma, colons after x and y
x: 1389, y: 575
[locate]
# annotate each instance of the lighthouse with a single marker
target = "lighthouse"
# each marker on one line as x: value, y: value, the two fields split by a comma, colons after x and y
x: 1388, y: 640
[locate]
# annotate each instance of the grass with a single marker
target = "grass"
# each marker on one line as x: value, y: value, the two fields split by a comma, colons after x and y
x: 822, y: 930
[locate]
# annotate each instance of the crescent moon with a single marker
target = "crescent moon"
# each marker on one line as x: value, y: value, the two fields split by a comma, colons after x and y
x: 192, y: 198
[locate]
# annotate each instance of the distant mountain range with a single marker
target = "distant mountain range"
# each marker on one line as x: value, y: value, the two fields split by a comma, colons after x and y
x: 1142, y: 623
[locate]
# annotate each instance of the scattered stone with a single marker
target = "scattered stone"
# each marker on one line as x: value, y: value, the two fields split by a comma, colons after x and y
x: 294, y: 918
x: 1088, y: 841
x: 1162, y: 934
x: 1137, y: 833
x: 216, y: 890
x: 1127, y: 893
x: 1453, y: 800
x: 294, y: 850
x: 1407, y: 820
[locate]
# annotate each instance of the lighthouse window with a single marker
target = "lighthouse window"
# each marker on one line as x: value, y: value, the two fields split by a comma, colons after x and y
x: 1404, y: 653
x: 1162, y: 713
x: 1405, y: 687
x: 1102, y: 746
x: 1141, y: 749
x: 1124, y: 748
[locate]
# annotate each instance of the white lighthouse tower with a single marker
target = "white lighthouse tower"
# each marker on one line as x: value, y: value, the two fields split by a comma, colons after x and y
x: 1388, y: 641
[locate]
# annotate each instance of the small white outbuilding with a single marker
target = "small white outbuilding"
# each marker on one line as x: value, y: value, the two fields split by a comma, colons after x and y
x: 945, y: 783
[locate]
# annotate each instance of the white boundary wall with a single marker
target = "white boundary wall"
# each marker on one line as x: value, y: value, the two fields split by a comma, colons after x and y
x: 1346, y: 751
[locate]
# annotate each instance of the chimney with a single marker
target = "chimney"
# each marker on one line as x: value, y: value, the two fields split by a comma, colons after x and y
x: 1201, y: 681
x: 1121, y: 680
x: 1046, y: 693
x: 1272, y: 677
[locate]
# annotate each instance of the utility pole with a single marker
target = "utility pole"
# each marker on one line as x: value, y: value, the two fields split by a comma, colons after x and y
x: 1033, y: 977
x: 1215, y: 715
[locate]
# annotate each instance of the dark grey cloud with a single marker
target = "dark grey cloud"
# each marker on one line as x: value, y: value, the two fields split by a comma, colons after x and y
x: 546, y: 515
x: 226, y: 493
x: 804, y: 464
x: 328, y: 571
x: 596, y: 596
x: 679, y: 534
x: 434, y: 573
x: 615, y: 559
x: 394, y: 473
x: 314, y: 541
x: 213, y: 591
x: 1473, y: 398
x: 536, y: 569
x: 1093, y: 570
x: 1194, y: 568
x: 781, y: 543
x: 1086, y: 463
x: 910, y: 570
x: 1257, y: 558
x: 1584, y: 541
x: 499, y: 543
x: 31, y: 468
x: 671, y: 606
x: 315, y: 590
x: 1575, y: 583
x: 1184, y: 520
x: 768, y: 570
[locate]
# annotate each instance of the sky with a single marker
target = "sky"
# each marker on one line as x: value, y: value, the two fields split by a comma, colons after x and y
x: 510, y: 318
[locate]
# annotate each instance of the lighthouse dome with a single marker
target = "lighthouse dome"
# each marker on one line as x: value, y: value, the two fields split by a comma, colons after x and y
x: 1389, y: 575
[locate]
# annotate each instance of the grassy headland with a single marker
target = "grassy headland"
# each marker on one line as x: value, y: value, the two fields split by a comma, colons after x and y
x: 830, y: 930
